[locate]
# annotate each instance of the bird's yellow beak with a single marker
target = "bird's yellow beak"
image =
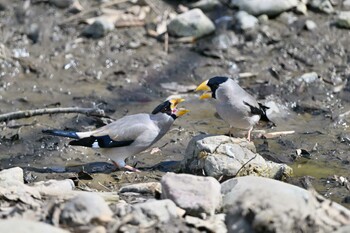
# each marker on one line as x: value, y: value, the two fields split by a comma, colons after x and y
x: 204, y: 87
x: 181, y: 111
x: 175, y: 102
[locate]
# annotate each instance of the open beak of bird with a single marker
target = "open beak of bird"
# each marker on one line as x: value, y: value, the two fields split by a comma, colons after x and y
x: 178, y: 112
x: 204, y: 87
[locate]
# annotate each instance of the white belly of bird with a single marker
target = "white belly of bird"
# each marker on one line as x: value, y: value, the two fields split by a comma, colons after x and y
x: 237, y: 119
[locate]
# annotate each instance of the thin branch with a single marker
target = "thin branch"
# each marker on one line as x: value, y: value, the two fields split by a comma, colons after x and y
x: 93, y: 9
x: 43, y: 111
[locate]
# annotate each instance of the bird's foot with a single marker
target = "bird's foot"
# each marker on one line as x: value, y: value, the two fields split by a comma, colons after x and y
x: 131, y: 169
x: 126, y: 167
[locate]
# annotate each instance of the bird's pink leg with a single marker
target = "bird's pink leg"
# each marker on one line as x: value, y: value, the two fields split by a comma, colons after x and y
x: 127, y: 167
x: 249, y: 133
x: 132, y: 169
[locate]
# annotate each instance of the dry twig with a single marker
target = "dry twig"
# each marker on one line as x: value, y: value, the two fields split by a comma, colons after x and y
x: 43, y: 111
x: 93, y: 9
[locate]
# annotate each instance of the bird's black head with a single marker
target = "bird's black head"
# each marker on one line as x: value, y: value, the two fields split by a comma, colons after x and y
x: 214, y: 83
x: 164, y: 107
x: 169, y: 107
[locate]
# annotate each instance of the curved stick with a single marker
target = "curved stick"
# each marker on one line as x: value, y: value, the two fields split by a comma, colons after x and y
x: 42, y: 111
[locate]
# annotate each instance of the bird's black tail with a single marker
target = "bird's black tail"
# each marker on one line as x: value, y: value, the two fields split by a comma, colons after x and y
x: 61, y: 133
x: 263, y: 116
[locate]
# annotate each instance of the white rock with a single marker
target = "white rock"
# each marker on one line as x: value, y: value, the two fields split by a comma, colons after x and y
x: 205, y: 5
x: 346, y: 4
x: 189, y: 193
x: 343, y: 19
x: 84, y: 208
x: 324, y: 6
x: 219, y: 156
x: 15, y: 173
x: 256, y: 203
x: 268, y: 7
x: 310, y: 25
x: 54, y: 187
x: 308, y: 77
x: 263, y: 18
x: 246, y: 21
x: 27, y: 226
x: 301, y: 8
x: 191, y: 23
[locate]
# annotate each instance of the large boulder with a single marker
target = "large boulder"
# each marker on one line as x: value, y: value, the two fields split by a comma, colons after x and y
x: 223, y: 156
x: 257, y: 204
x: 195, y: 194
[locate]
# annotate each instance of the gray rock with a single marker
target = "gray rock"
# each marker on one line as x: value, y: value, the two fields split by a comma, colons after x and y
x: 215, y: 223
x: 263, y: 19
x: 187, y: 191
x: 12, y: 187
x: 324, y: 6
x: 288, y: 18
x: 27, y: 226
x: 33, y: 32
x: 219, y: 156
x: 225, y: 40
x: 85, y: 208
x: 301, y: 8
x: 98, y: 29
x: 343, y: 19
x: 15, y: 173
x: 54, y: 187
x: 205, y: 5
x: 2, y: 6
x: 61, y: 3
x: 310, y: 25
x: 257, y: 204
x: 142, y: 188
x: 246, y: 21
x: 268, y: 7
x: 154, y: 211
x: 191, y: 23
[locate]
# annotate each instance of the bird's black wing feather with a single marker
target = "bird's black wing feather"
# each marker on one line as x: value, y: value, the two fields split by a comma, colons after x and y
x: 261, y: 111
x: 100, y: 142
x: 61, y: 133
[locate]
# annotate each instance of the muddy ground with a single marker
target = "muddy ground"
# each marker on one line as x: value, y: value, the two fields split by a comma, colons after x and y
x: 122, y: 74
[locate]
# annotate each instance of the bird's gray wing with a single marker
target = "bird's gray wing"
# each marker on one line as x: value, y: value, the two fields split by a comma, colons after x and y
x: 240, y: 98
x: 126, y: 128
x: 120, y: 133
